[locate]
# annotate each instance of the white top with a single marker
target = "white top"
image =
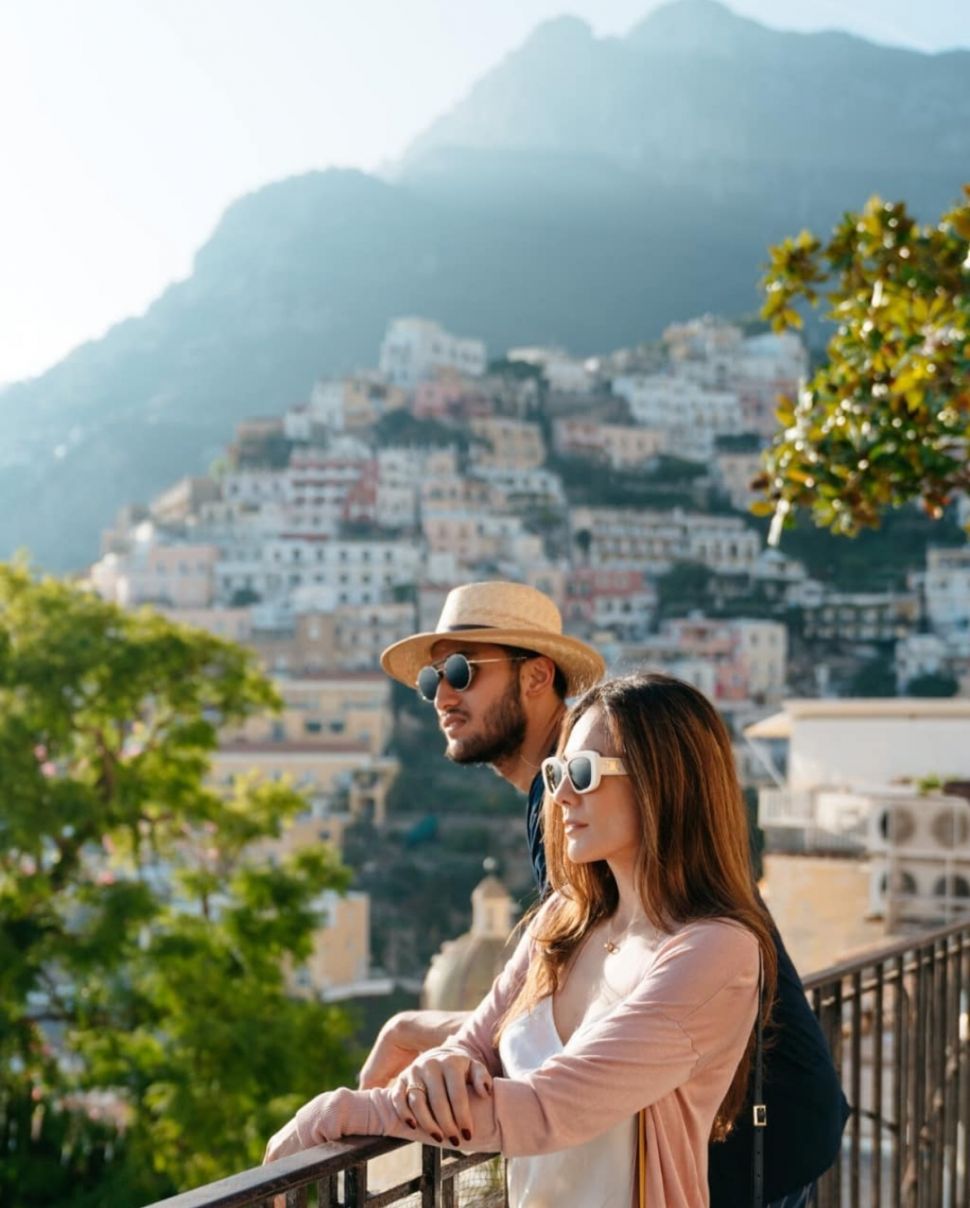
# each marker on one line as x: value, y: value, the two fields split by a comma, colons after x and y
x: 597, y: 1174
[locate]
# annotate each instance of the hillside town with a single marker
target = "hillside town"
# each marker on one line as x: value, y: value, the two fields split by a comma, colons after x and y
x: 619, y: 485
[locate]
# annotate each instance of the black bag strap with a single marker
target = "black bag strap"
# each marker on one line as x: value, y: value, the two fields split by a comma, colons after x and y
x: 759, y: 1112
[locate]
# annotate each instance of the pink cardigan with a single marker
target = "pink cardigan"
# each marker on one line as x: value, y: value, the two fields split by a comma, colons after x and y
x: 671, y: 1046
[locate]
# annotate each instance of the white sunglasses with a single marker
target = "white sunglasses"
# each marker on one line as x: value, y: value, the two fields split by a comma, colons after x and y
x: 584, y: 771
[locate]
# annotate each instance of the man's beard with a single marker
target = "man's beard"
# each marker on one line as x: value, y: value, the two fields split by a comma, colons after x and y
x: 502, y: 733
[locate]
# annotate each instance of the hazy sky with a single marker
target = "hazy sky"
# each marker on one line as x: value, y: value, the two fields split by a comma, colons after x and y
x: 128, y: 125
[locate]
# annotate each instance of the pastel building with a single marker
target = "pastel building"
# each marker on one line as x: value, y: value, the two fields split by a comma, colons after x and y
x: 619, y: 602
x: 175, y: 576
x: 326, y: 708
x: 512, y: 443
x: 622, y: 446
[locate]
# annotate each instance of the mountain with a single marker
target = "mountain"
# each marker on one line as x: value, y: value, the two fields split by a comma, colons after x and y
x: 586, y: 192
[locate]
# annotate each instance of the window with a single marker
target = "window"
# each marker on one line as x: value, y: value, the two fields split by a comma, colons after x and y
x: 953, y: 886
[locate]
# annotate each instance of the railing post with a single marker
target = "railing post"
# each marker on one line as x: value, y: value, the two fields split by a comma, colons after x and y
x: 900, y: 1067
x: 855, y: 1049
x: 355, y: 1186
x: 939, y: 1043
x: 327, y: 1193
x: 877, y: 1048
x: 963, y: 1065
x: 951, y: 1074
x: 430, y: 1177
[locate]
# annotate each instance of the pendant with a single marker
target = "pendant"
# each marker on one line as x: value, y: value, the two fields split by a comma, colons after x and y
x: 611, y: 947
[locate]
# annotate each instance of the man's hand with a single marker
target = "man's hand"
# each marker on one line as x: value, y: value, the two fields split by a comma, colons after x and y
x: 432, y: 1094
x: 404, y: 1037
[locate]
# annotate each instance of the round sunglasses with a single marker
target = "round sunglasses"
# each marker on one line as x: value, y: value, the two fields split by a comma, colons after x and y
x: 584, y: 771
x: 458, y: 671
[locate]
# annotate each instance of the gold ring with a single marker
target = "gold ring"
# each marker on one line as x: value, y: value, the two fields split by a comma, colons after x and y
x: 414, y: 1086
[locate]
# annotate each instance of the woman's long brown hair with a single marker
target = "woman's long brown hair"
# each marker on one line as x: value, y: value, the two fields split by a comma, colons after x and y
x: 694, y: 860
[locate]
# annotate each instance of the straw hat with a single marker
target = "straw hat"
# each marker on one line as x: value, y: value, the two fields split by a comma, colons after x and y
x: 501, y: 614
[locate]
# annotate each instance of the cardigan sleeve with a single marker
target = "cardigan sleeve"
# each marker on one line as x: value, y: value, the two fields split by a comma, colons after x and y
x: 696, y: 1004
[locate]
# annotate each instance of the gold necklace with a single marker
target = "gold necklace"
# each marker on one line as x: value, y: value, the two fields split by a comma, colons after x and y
x: 612, y: 945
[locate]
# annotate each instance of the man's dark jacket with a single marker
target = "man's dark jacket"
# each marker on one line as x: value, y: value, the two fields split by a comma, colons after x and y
x: 806, y: 1108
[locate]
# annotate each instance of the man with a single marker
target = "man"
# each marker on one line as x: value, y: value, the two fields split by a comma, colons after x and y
x: 498, y: 669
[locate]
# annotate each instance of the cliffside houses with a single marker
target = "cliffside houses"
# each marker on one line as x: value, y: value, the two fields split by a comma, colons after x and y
x: 616, y: 485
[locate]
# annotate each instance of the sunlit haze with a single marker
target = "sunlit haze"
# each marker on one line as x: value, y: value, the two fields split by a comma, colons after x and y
x: 131, y: 124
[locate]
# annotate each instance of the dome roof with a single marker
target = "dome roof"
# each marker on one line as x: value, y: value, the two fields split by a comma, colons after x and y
x: 462, y: 973
x: 490, y: 887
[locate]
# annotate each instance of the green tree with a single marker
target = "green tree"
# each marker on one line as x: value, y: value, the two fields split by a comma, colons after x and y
x: 146, y: 930
x: 938, y: 683
x: 886, y: 418
x: 874, y: 678
x: 684, y: 587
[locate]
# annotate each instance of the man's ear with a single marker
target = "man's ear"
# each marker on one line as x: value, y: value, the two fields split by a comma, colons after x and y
x: 538, y: 675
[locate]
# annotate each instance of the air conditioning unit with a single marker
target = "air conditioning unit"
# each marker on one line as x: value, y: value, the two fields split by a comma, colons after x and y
x: 950, y: 825
x: 907, y: 888
x: 931, y: 826
x: 924, y: 889
x: 892, y: 825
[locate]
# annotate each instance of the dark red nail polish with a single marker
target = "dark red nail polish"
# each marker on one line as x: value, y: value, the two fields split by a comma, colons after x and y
x: 466, y: 1133
x: 454, y: 1142
x: 437, y: 1137
x: 410, y: 1124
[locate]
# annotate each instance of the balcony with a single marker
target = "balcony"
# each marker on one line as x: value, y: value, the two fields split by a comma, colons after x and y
x: 898, y: 1024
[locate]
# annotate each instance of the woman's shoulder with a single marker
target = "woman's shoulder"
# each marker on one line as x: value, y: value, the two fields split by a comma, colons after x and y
x: 721, y: 941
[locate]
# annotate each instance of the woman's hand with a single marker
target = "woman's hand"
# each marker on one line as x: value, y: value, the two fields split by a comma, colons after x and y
x: 432, y: 1094
x: 402, y: 1039
x: 281, y: 1144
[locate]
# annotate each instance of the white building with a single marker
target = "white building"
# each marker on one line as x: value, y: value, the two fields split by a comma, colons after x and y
x: 947, y: 589
x: 347, y: 572
x: 414, y: 348
x: 919, y: 654
x: 511, y: 487
x: 565, y: 374
x: 736, y: 471
x: 654, y: 540
x: 886, y: 779
x: 691, y: 414
x: 758, y: 368
x: 704, y: 350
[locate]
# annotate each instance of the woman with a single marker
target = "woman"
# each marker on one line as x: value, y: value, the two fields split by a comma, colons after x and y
x: 634, y: 989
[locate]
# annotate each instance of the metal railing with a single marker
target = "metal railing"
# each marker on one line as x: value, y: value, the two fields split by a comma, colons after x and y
x: 896, y: 1020
x: 337, y: 1176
